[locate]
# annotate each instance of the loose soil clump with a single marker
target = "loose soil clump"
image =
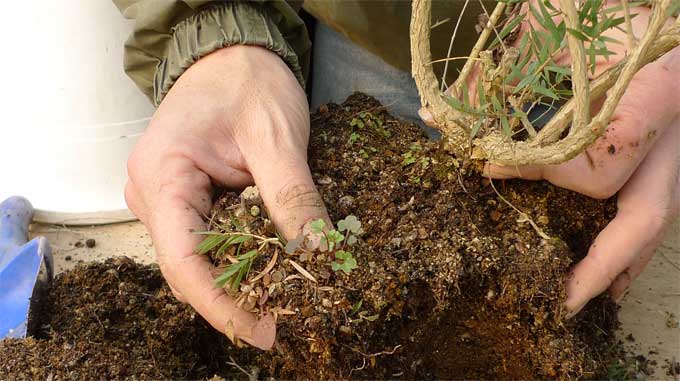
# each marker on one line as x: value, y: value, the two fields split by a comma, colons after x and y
x: 452, y: 282
x: 116, y: 320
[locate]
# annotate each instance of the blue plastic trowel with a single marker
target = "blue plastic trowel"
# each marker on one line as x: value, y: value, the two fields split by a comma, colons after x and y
x: 25, y: 267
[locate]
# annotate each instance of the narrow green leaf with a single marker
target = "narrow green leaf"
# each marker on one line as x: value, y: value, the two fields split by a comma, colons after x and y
x: 550, y: 5
x: 224, y: 247
x: 524, y: 83
x: 559, y: 69
x: 210, y: 243
x: 505, y: 125
x: 356, y: 307
x: 509, y: 27
x: 578, y: 34
x: 453, y: 102
x: 235, y: 222
x: 592, y: 59
x: 466, y: 95
x: 241, y: 239
x: 475, y: 128
x: 609, y: 39
x: 228, y: 273
x: 537, y: 15
x: 549, y: 23
x: 480, y: 93
x: 249, y: 255
x: 497, y: 106
x: 546, y: 91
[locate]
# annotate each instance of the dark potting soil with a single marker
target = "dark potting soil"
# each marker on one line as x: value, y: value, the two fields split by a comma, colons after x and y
x: 451, y: 283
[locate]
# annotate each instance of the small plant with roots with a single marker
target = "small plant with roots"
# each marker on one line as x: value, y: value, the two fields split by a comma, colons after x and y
x: 548, y: 66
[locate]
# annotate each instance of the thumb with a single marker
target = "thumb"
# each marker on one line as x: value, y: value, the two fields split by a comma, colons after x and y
x: 288, y: 191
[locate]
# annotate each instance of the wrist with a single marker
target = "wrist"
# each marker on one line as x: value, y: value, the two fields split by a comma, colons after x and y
x: 237, y: 63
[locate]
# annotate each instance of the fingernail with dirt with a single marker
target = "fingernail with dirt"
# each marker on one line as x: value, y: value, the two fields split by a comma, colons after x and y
x: 486, y: 172
x: 618, y: 298
x: 263, y: 333
x: 426, y: 116
x: 574, y: 311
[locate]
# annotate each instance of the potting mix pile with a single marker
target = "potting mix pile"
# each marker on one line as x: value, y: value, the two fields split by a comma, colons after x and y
x: 456, y: 278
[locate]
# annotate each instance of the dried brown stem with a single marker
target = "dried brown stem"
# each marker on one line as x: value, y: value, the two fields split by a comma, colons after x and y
x: 453, y: 38
x: 579, y: 66
x: 632, y: 41
x: 479, y: 45
x: 447, y: 118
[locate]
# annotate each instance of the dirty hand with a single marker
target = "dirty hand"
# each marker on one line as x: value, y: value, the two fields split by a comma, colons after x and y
x: 236, y: 117
x: 638, y: 157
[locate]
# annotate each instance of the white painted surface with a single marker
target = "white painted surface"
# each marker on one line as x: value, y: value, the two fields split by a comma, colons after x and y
x: 71, y: 116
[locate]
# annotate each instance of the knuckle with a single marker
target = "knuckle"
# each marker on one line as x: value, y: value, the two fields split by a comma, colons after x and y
x: 130, y: 195
x: 657, y: 218
x: 134, y: 165
x: 651, y: 217
x: 299, y: 195
x: 602, y: 190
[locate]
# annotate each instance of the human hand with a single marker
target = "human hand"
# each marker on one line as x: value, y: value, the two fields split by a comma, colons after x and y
x: 638, y: 157
x: 236, y: 117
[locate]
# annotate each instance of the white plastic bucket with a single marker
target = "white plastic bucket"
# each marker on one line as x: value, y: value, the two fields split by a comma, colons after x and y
x: 71, y: 116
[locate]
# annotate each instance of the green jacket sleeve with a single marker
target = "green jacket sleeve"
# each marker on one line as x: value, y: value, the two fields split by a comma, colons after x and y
x: 170, y: 35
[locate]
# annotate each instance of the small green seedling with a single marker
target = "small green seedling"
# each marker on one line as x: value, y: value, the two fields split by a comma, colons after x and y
x: 334, y: 241
x: 414, y: 155
x: 236, y: 272
x: 338, y: 241
x: 356, y: 307
x: 353, y: 137
x: 346, y: 262
x: 409, y: 158
x: 374, y: 123
x: 317, y: 226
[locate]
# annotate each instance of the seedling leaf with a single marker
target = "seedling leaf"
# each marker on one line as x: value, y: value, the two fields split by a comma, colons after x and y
x: 356, y: 307
x: 350, y: 223
x: 348, y: 262
x: 317, y: 226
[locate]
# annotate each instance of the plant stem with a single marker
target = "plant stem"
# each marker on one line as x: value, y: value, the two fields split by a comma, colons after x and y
x: 631, y: 67
x: 552, y: 131
x: 453, y: 37
x: 629, y: 25
x: 579, y: 68
x: 479, y: 45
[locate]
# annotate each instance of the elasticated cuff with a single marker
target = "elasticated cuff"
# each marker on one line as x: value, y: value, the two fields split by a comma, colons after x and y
x: 216, y: 27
